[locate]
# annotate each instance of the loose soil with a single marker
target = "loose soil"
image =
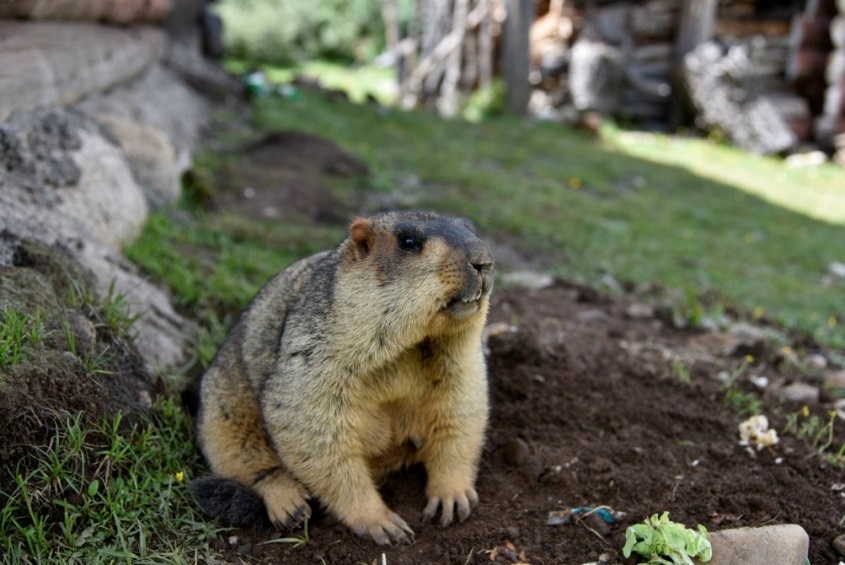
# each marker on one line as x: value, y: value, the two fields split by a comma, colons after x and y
x: 593, y: 405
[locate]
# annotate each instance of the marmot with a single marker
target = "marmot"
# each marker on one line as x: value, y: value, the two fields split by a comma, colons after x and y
x: 348, y: 365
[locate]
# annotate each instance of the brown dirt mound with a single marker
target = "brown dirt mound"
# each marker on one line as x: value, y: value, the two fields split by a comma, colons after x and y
x: 588, y: 411
x: 291, y: 175
x: 80, y: 364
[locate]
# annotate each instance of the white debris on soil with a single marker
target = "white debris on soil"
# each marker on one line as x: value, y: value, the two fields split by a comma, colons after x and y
x: 755, y: 432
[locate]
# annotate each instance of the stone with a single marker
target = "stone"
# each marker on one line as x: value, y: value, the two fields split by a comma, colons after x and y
x: 516, y: 452
x: 745, y: 339
x: 62, y: 178
x: 640, y: 311
x: 834, y: 380
x: 529, y: 280
x: 839, y: 545
x: 151, y: 157
x: 157, y: 98
x: 89, y: 214
x: 786, y: 544
x: 593, y: 316
x: 47, y: 63
x: 114, y: 217
x: 815, y: 361
x: 799, y: 392
x: 161, y: 334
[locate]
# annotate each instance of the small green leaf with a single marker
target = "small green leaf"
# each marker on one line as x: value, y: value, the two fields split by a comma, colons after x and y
x: 93, y: 487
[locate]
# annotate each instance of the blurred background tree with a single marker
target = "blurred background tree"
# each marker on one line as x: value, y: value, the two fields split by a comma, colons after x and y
x: 290, y: 31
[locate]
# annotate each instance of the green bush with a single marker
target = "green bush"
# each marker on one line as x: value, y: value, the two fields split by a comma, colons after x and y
x: 287, y: 31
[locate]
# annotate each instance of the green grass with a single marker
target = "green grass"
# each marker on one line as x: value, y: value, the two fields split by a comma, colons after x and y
x: 216, y: 263
x: 108, y: 493
x: 18, y: 331
x: 691, y: 214
x: 358, y: 81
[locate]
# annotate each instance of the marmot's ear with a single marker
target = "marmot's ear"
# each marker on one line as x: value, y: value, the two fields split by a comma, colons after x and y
x: 361, y: 234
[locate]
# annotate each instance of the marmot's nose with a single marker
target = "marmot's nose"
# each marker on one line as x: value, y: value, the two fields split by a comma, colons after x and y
x: 480, y: 257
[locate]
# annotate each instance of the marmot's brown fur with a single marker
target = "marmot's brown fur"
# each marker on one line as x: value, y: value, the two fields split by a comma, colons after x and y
x: 350, y: 364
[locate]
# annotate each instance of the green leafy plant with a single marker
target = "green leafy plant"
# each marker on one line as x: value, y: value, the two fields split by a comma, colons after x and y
x: 664, y: 542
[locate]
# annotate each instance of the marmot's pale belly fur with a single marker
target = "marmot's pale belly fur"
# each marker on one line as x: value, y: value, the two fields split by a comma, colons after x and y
x: 350, y: 364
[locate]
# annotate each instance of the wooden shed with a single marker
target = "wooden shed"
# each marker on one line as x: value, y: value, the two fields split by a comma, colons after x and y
x: 624, y: 58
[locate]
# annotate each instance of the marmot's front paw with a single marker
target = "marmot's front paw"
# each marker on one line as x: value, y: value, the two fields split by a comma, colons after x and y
x: 464, y: 499
x: 385, y: 528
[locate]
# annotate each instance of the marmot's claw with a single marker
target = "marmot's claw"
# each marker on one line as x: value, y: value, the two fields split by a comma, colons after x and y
x: 464, y: 502
x: 292, y: 521
x: 392, y: 529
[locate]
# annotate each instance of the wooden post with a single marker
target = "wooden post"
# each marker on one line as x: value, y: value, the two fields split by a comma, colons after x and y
x: 517, y: 53
x: 695, y: 26
x: 698, y: 19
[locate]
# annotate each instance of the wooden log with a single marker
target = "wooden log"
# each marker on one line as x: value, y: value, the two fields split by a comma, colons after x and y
x: 744, y: 28
x: 113, y: 11
x: 53, y: 63
x: 719, y: 87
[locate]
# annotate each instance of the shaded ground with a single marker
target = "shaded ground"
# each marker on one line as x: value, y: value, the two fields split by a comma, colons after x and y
x: 593, y: 404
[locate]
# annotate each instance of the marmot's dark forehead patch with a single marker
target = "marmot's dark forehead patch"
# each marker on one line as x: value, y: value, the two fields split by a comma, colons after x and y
x: 453, y: 231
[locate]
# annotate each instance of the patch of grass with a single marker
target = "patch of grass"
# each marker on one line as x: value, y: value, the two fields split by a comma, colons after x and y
x: 743, y: 404
x: 18, y: 331
x: 216, y: 264
x: 358, y: 81
x: 818, y: 432
x: 108, y: 493
x: 682, y: 371
x: 690, y: 214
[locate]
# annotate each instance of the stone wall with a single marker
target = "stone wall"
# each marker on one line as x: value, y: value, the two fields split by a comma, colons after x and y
x: 98, y: 123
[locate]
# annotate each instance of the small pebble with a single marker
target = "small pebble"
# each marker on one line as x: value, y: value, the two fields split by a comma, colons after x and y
x: 639, y: 311
x: 593, y: 315
x: 516, y: 452
x: 816, y: 361
x: 839, y: 544
x: 800, y: 392
x: 245, y: 549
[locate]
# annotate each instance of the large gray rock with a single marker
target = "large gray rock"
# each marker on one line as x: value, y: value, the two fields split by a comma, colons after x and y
x: 58, y: 63
x: 61, y: 177
x: 782, y: 545
x: 151, y: 157
x: 65, y: 184
x: 161, y: 100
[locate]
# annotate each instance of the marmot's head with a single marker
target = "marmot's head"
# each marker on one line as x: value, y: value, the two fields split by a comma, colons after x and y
x: 426, y: 269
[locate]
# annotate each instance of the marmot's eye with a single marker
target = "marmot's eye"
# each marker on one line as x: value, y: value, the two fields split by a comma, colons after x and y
x: 409, y: 243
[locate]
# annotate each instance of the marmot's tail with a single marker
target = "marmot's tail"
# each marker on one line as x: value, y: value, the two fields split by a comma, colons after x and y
x: 230, y: 502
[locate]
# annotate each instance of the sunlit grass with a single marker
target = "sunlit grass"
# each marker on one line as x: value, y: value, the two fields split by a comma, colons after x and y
x: 817, y: 191
x: 690, y: 214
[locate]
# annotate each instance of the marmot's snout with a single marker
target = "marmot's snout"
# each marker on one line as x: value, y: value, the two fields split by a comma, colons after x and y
x: 476, y: 262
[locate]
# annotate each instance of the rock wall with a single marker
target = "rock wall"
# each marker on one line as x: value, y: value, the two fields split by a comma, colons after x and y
x: 97, y: 125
